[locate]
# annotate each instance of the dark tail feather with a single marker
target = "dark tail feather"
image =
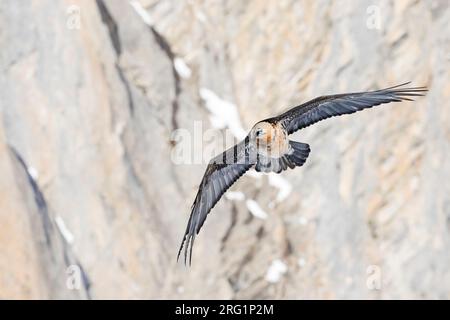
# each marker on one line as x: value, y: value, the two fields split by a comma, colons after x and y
x: 299, y: 153
x: 295, y: 158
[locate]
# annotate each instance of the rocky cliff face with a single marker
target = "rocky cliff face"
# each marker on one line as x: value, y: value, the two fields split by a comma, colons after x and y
x: 93, y: 205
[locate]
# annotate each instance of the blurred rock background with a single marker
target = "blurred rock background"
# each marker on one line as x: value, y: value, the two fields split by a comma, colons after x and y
x: 92, y: 205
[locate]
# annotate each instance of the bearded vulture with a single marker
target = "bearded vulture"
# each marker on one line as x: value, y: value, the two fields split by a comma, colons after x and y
x: 267, y: 147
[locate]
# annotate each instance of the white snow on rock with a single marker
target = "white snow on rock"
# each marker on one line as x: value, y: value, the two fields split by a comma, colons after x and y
x: 303, y: 221
x: 201, y: 16
x: 182, y: 68
x: 276, y: 270
x: 301, y: 262
x: 224, y: 114
x: 140, y: 10
x: 255, y: 209
x: 235, y: 196
x: 33, y: 173
x: 65, y: 232
x: 284, y: 187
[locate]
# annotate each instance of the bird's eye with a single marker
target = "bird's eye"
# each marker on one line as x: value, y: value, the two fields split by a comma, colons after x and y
x: 259, y: 132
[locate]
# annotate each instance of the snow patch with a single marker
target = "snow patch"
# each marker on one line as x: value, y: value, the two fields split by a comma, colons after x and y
x: 276, y: 270
x: 182, y: 68
x: 255, y: 209
x: 235, y: 196
x: 201, y: 16
x: 140, y: 10
x: 282, y: 184
x: 65, y: 232
x: 303, y: 221
x: 301, y: 262
x: 224, y: 114
x: 33, y: 173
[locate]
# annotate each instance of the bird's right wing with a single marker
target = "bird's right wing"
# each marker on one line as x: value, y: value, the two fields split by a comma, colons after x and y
x: 221, y: 173
x: 329, y: 106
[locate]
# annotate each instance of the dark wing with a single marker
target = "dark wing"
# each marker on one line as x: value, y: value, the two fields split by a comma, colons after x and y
x: 329, y: 106
x: 221, y: 173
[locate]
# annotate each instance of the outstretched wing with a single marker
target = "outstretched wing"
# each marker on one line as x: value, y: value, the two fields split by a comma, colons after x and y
x: 221, y: 173
x: 335, y: 105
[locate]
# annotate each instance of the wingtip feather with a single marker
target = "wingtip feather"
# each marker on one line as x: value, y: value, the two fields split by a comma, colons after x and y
x: 404, y: 93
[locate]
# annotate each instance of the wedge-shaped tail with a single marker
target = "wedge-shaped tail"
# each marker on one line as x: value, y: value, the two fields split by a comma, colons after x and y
x: 295, y: 157
x: 299, y: 153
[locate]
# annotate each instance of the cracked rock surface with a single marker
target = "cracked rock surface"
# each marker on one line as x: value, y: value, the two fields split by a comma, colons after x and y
x: 93, y: 207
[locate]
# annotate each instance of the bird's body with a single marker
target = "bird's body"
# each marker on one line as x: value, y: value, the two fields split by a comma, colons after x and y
x: 275, y: 142
x: 267, y: 147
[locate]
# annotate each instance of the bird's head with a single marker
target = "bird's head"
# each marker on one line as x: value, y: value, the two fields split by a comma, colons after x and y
x: 262, y: 132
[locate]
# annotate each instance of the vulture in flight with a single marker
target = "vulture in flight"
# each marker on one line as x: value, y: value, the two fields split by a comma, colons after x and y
x: 267, y: 147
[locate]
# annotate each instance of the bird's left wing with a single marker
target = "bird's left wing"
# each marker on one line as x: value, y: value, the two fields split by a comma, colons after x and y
x: 221, y: 173
x: 329, y: 106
